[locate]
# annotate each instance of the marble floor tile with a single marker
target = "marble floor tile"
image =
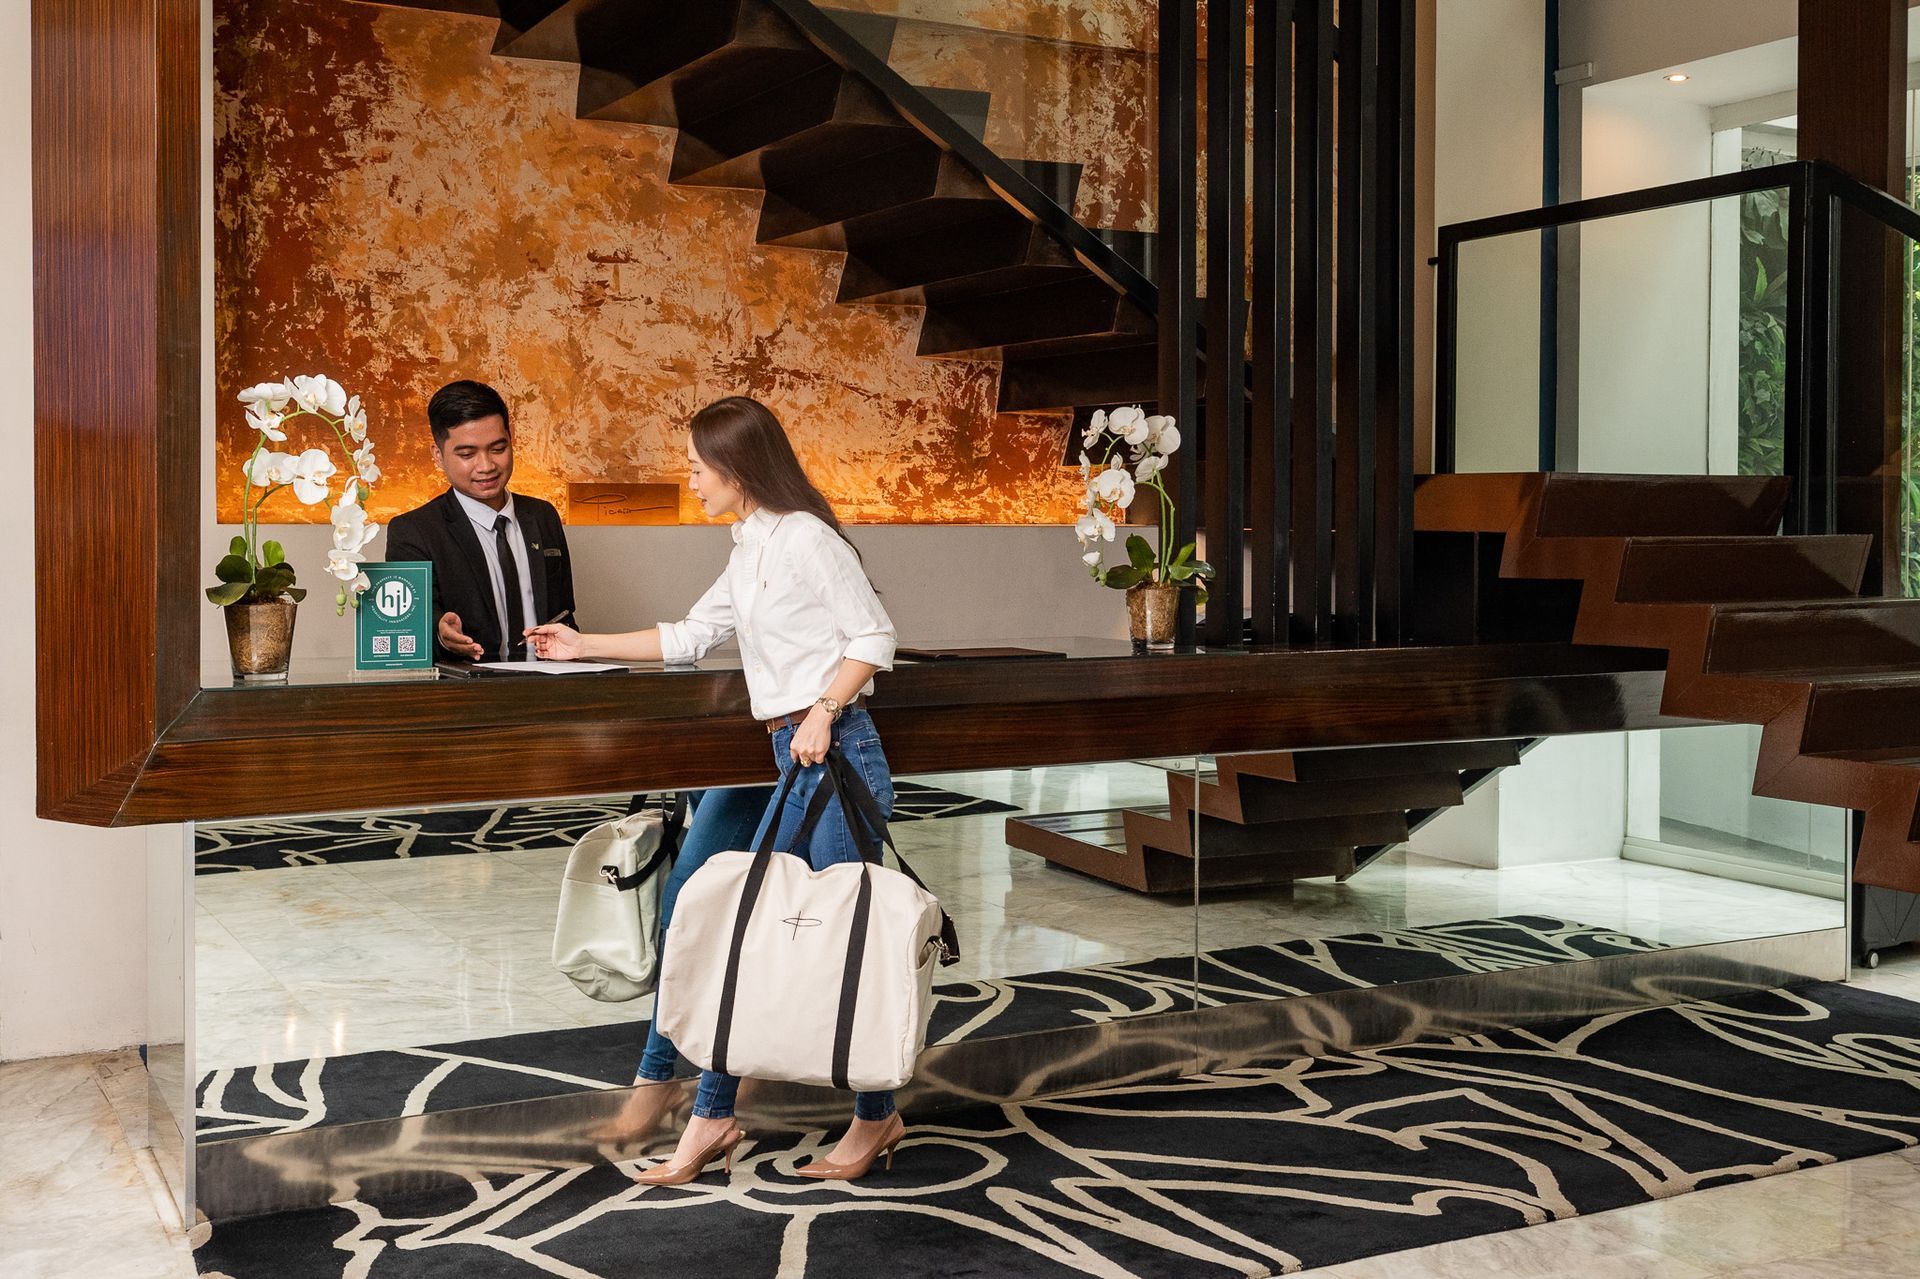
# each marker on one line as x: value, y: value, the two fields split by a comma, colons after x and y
x: 74, y: 1199
x: 1761, y: 1222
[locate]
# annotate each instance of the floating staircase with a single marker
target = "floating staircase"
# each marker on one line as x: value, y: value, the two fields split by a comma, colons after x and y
x: 787, y: 98
x: 1758, y: 628
x: 1267, y: 818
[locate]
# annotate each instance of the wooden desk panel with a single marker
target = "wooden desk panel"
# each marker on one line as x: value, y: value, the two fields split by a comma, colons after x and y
x: 239, y: 752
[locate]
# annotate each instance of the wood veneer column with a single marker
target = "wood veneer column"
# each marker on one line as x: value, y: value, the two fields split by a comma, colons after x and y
x: 116, y: 389
x: 1853, y: 85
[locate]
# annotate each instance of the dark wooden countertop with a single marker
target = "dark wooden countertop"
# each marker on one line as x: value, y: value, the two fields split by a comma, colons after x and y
x: 324, y: 742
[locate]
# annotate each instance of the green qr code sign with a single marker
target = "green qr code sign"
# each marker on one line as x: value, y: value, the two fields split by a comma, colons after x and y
x: 394, y: 618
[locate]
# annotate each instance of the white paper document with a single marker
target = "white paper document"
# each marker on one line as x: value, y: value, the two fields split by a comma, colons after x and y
x: 537, y: 667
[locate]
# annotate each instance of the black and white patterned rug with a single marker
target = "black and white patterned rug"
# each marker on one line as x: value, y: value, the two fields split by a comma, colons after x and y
x: 314, y: 1092
x: 1243, y: 1173
x: 224, y: 847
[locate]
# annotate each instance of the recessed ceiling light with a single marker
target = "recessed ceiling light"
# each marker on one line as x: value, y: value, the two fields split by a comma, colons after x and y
x: 1678, y: 77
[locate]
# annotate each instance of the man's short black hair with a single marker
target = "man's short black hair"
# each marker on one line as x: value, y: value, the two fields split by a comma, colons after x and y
x: 458, y: 403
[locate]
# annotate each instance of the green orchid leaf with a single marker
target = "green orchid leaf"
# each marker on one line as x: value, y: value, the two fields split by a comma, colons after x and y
x: 226, y: 593
x: 296, y: 593
x: 1203, y: 569
x: 238, y: 546
x: 1199, y: 597
x: 273, y: 581
x: 1126, y: 576
x: 272, y: 553
x: 1139, y: 553
x: 234, y: 568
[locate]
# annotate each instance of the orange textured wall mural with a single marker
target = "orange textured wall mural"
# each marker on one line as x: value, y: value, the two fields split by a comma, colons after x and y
x: 395, y: 207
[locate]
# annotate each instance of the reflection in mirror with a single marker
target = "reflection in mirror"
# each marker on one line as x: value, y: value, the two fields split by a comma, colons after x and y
x: 371, y: 966
x: 1521, y: 854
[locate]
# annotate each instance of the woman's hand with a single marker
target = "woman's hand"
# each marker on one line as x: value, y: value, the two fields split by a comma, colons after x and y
x: 812, y: 739
x: 556, y: 643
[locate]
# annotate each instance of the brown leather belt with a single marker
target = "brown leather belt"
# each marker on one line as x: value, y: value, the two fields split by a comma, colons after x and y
x: 798, y: 718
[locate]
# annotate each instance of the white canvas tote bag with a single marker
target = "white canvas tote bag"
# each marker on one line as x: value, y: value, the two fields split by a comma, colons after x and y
x: 775, y: 970
x: 605, y: 938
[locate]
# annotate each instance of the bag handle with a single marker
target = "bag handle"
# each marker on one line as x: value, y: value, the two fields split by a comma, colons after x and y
x: 673, y: 819
x: 850, y: 786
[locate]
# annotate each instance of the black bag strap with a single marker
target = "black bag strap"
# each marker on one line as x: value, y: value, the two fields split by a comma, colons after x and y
x: 851, y: 786
x: 673, y: 814
x: 750, y: 897
x: 850, y: 979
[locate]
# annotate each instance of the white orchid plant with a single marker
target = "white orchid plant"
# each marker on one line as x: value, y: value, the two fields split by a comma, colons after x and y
x: 256, y: 572
x: 1133, y: 449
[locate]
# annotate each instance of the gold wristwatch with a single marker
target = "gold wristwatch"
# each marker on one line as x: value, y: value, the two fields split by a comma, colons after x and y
x: 833, y: 708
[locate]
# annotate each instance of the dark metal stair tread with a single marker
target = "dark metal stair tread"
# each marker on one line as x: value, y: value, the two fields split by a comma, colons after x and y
x: 1823, y: 675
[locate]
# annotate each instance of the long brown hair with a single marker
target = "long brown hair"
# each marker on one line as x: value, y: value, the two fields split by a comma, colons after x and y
x: 742, y: 439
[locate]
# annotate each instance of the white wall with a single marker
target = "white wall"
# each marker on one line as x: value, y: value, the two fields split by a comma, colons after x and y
x: 941, y: 584
x: 1644, y: 285
x: 1566, y: 802
x: 72, y: 899
x: 1627, y: 37
x: 1489, y: 70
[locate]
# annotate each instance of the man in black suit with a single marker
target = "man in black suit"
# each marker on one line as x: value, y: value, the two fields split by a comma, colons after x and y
x: 499, y: 559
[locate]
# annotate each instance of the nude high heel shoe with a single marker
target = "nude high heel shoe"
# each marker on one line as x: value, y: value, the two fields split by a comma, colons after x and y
x: 680, y: 1174
x: 824, y: 1170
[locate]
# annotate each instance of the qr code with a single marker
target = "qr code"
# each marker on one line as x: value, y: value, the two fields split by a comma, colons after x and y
x: 406, y: 646
x: 382, y: 645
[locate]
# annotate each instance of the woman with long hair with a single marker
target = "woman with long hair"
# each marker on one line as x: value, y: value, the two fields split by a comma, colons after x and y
x: 812, y: 636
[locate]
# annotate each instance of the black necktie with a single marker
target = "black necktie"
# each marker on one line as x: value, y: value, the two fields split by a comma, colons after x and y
x: 516, y: 643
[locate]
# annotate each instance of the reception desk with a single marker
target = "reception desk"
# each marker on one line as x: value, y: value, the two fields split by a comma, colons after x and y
x: 360, y: 744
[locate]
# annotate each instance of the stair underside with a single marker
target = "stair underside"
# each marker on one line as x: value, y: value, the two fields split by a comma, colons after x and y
x: 1757, y: 628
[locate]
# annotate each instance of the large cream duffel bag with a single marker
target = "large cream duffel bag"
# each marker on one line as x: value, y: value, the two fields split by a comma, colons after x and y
x: 606, y: 935
x: 775, y: 970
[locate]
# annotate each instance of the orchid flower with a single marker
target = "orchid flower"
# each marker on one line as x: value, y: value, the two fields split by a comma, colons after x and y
x: 312, y: 471
x: 273, y: 395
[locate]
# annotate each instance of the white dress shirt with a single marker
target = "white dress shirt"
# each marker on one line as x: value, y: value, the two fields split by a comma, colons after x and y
x: 795, y: 595
x: 483, y: 517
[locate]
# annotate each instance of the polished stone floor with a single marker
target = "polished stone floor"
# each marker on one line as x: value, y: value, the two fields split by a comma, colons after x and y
x: 326, y: 960
x: 75, y: 1200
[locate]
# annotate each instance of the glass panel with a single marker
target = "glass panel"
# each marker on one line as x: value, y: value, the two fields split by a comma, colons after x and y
x: 362, y: 951
x: 1666, y: 360
x: 1497, y: 372
x: 1065, y: 90
x: 1691, y: 806
x: 1574, y: 853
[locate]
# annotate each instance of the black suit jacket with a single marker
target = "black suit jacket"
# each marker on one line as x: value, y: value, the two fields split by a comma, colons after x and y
x: 441, y: 532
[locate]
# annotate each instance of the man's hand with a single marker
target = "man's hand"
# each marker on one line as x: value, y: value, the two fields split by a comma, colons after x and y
x: 457, y: 641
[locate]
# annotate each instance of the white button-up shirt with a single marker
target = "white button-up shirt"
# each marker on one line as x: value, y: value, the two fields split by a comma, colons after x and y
x: 795, y: 595
x: 483, y: 517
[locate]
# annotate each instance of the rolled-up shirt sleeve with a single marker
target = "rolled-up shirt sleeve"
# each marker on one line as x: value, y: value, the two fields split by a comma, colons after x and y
x: 705, y: 628
x: 849, y: 598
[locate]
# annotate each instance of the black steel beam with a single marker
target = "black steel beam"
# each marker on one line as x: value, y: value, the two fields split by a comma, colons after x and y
x: 1178, y: 306
x: 1270, y: 442
x: 1226, y: 319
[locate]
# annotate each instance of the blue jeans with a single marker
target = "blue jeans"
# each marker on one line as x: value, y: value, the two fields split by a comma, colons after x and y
x: 830, y: 842
x: 717, y: 822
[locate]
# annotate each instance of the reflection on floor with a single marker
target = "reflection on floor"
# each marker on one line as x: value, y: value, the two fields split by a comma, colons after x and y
x: 78, y: 1204
x: 393, y: 1083
x: 1252, y: 1171
x: 325, y: 960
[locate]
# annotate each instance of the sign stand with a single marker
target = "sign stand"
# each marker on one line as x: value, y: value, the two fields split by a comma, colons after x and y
x: 393, y: 625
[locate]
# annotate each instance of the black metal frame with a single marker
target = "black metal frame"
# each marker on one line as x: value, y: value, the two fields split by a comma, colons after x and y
x: 1816, y: 194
